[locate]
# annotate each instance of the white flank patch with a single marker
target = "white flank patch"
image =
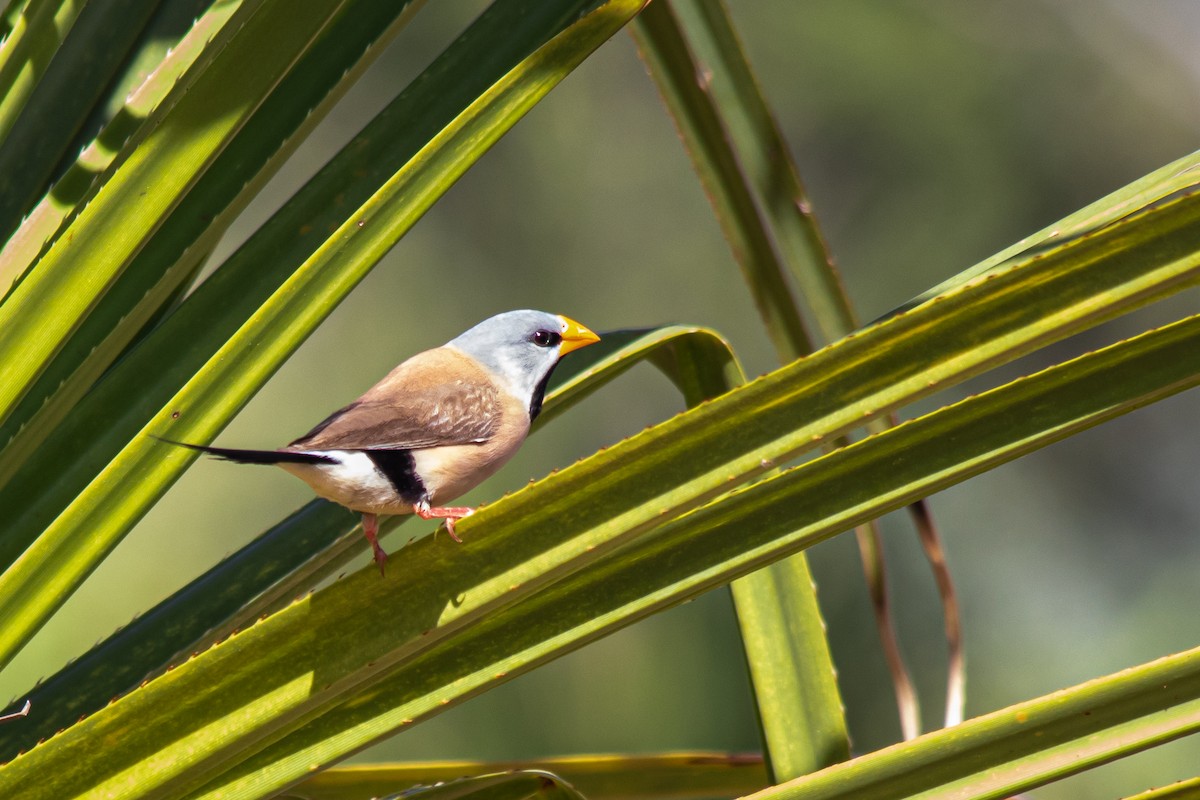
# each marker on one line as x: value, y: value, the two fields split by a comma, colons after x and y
x: 353, y: 482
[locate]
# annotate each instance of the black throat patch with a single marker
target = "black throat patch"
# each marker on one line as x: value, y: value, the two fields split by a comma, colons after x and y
x: 539, y: 394
x: 400, y: 468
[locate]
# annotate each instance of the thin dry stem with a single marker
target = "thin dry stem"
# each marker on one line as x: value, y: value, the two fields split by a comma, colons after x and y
x: 956, y: 676
x: 869, y: 547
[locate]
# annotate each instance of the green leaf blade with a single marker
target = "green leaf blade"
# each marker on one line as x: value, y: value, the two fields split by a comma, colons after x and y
x: 47, y: 306
x: 1182, y: 790
x: 85, y: 61
x: 795, y: 686
x: 26, y: 50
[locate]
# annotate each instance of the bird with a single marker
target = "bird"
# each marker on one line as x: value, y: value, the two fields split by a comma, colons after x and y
x: 435, y: 427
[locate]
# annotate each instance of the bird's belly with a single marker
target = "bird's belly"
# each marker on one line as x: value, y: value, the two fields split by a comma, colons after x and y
x: 354, y: 482
x: 448, y: 472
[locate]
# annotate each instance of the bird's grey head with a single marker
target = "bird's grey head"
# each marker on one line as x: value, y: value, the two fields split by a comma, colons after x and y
x: 521, y: 348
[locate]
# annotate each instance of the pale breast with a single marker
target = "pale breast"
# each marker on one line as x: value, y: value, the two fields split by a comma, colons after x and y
x: 451, y: 471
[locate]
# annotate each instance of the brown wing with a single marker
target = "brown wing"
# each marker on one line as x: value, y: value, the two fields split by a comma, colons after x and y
x: 438, y: 397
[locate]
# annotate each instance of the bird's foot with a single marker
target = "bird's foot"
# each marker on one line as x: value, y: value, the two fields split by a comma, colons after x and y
x: 449, y: 523
x: 451, y: 515
x: 370, y: 526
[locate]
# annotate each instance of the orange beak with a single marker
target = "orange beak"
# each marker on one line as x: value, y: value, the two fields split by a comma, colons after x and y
x: 574, y: 336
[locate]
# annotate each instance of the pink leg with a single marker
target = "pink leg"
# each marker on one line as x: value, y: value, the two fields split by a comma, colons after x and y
x: 370, y: 526
x: 451, y: 514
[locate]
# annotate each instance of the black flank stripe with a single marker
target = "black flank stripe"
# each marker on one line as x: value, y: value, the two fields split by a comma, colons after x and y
x: 400, y: 468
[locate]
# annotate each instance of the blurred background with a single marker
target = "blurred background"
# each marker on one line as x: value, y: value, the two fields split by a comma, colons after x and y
x: 930, y: 134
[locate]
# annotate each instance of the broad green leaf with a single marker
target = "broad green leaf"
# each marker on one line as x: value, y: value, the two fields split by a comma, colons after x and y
x: 739, y: 150
x: 25, y: 53
x: 697, y: 360
x: 164, y: 268
x: 1127, y: 264
x: 791, y: 669
x: 314, y: 542
x: 168, y: 23
x: 150, y: 642
x: 668, y: 776
x: 369, y: 231
x: 492, y: 620
x: 83, y: 66
x: 133, y: 298
x: 11, y: 14
x: 450, y: 133
x: 79, y: 182
x: 207, y: 109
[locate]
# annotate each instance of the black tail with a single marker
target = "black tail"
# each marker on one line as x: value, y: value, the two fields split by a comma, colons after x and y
x: 255, y: 456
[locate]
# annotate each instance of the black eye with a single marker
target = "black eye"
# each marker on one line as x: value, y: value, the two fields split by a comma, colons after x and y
x: 544, y: 338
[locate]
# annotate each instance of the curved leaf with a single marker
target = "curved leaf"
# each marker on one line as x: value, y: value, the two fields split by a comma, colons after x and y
x: 749, y: 175
x: 665, y: 50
